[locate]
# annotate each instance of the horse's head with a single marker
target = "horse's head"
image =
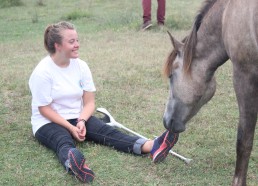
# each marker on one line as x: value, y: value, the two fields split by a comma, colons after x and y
x: 188, y: 89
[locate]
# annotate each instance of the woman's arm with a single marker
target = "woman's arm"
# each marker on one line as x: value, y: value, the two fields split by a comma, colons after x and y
x: 88, y: 99
x: 87, y: 111
x: 53, y: 116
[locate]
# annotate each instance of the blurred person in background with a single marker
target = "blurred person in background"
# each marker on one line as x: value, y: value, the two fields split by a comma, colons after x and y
x: 161, y: 11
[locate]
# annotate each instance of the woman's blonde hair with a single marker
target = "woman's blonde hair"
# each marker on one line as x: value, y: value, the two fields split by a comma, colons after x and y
x: 53, y: 35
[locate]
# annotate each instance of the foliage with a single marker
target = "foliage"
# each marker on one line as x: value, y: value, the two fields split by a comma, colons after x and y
x: 10, y: 3
x: 76, y: 15
x: 40, y: 3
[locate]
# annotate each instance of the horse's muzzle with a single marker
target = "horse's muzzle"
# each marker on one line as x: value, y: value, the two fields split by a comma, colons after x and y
x: 173, y: 125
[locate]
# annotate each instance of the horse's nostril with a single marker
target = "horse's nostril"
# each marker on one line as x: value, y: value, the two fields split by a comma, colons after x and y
x: 171, y: 122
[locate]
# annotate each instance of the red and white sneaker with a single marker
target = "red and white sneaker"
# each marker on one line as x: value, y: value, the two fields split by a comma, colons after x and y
x: 162, y: 145
x: 76, y: 163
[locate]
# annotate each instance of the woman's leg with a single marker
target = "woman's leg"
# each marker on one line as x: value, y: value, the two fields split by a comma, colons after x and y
x: 61, y: 142
x: 101, y: 133
x: 57, y: 138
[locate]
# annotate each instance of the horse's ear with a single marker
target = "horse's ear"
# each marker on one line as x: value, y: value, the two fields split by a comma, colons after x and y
x: 176, y: 44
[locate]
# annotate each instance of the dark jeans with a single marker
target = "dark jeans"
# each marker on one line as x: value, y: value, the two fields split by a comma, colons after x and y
x: 60, y: 140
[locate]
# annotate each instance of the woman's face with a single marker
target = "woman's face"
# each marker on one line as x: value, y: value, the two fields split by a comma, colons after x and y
x: 70, y: 44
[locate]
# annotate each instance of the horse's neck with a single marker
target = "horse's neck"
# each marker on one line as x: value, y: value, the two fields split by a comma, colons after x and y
x: 210, y: 49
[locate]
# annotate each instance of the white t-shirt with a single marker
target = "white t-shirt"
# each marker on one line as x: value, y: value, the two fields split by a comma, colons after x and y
x: 62, y: 88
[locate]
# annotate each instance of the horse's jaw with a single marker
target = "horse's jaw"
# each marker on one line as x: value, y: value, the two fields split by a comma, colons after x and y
x: 176, y: 124
x: 177, y: 114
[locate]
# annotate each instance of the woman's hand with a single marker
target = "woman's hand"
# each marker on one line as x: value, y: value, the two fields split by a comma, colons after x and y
x: 79, y: 131
x: 82, y: 129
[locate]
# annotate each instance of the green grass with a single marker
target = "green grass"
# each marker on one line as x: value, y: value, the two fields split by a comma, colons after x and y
x: 10, y: 3
x: 126, y: 66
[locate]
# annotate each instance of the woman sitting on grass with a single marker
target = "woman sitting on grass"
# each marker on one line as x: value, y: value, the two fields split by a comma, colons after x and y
x: 63, y: 103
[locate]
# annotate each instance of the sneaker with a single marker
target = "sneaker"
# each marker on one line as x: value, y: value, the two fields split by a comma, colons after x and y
x: 162, y: 145
x: 161, y: 26
x: 76, y: 164
x: 146, y: 25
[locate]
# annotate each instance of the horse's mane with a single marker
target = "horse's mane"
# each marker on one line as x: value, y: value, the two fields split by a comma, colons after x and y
x: 189, y: 41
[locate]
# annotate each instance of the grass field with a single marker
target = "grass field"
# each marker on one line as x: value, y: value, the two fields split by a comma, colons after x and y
x: 126, y: 66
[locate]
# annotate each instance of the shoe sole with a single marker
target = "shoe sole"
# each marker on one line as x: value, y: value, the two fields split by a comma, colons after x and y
x: 164, y: 150
x: 77, y: 161
x: 145, y: 28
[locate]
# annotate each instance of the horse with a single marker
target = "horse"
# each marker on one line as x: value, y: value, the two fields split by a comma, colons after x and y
x: 222, y: 30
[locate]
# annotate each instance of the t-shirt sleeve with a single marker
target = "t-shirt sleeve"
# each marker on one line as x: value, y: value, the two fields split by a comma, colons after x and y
x: 87, y: 82
x: 40, y: 87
